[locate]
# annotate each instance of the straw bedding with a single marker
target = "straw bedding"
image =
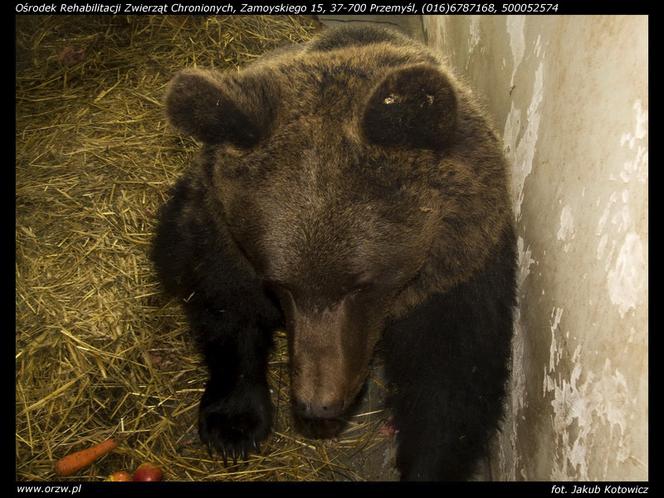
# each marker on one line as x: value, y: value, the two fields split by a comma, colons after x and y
x: 100, y: 351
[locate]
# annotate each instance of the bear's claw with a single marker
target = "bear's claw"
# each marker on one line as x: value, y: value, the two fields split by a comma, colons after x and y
x: 233, y: 425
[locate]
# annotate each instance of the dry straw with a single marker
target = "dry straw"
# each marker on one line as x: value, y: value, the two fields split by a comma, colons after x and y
x: 100, y: 352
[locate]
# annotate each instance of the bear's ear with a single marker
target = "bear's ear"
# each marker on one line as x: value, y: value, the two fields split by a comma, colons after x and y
x: 213, y: 108
x: 414, y: 107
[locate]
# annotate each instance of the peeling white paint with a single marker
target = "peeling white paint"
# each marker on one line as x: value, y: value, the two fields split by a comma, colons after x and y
x: 637, y: 167
x: 566, y: 230
x: 474, y: 33
x: 518, y: 379
x: 640, y: 126
x: 538, y: 46
x: 606, y: 213
x: 516, y: 31
x: 624, y: 255
x: 525, y: 261
x: 511, y: 131
x: 579, y: 408
x: 626, y: 280
x: 555, y: 351
x: 521, y: 154
x: 622, y: 219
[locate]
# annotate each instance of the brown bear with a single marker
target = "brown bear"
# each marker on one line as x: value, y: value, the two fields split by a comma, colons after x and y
x: 350, y: 190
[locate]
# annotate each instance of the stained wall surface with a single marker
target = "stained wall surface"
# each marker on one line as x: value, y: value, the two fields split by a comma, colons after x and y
x: 569, y: 94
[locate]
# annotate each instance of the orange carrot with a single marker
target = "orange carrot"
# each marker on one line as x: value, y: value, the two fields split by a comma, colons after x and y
x: 74, y: 462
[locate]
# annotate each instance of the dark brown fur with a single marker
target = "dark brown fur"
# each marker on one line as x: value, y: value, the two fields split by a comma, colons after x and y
x: 355, y: 178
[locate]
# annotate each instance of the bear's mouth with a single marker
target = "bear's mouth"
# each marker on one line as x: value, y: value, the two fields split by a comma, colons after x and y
x: 319, y: 428
x: 329, y: 427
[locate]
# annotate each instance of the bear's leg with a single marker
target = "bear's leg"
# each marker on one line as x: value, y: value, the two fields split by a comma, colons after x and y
x: 448, y: 363
x: 235, y: 412
x: 231, y: 317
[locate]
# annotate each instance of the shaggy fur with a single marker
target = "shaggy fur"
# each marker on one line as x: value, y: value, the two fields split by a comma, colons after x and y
x: 348, y: 189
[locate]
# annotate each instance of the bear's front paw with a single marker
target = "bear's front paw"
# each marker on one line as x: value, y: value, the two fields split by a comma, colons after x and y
x: 236, y: 423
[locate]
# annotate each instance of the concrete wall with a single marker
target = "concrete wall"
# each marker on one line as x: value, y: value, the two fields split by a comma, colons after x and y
x: 570, y: 96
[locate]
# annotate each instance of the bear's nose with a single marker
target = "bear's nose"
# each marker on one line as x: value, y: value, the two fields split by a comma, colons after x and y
x: 319, y: 408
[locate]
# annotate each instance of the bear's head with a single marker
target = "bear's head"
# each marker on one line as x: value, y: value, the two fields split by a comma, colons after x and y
x: 346, y: 179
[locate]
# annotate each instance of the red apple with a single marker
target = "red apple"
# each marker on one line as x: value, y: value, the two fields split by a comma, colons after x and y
x: 147, y: 472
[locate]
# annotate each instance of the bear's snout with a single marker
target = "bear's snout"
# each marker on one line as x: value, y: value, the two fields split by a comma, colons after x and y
x: 329, y: 358
x: 320, y: 389
x: 319, y: 408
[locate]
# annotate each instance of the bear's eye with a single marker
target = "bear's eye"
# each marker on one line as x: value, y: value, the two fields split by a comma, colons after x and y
x: 363, y: 287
